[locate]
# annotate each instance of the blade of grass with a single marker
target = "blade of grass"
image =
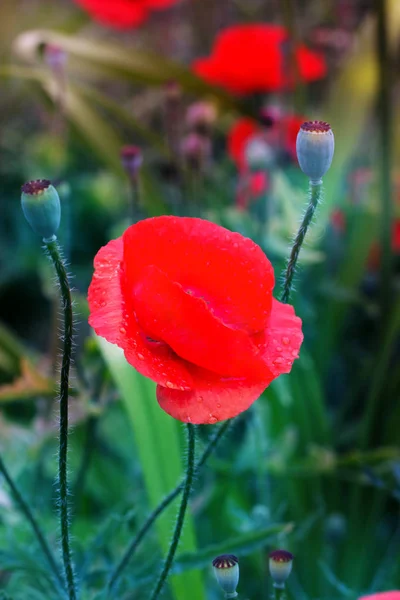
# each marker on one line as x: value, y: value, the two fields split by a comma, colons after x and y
x: 158, y: 445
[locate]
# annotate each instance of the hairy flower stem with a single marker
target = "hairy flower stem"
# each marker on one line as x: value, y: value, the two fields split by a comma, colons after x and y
x: 315, y: 197
x: 128, y: 554
x: 181, y: 514
x: 25, y: 509
x: 54, y: 252
x: 279, y: 593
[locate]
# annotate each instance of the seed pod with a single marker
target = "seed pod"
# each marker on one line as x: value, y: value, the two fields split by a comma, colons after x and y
x: 280, y: 566
x: 315, y: 146
x: 41, y: 206
x: 226, y: 569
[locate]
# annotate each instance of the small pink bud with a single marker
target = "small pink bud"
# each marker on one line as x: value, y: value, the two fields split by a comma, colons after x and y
x: 131, y: 159
x: 55, y: 57
x: 201, y: 116
x: 196, y: 150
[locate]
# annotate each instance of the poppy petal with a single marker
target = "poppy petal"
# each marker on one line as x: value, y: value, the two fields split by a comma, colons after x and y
x: 168, y: 312
x: 110, y: 318
x: 280, y: 342
x: 228, y: 270
x: 214, y: 398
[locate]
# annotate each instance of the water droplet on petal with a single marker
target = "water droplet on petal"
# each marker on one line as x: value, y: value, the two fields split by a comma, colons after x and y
x: 218, y: 406
x: 286, y: 341
x: 122, y: 330
x: 140, y: 356
x: 212, y: 419
x: 188, y: 419
x: 278, y: 361
x: 200, y: 398
x: 294, y: 353
x: 169, y: 384
x: 278, y: 349
x: 103, y: 304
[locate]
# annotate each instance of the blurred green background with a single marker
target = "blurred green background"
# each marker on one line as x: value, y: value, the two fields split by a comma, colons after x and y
x: 314, y: 465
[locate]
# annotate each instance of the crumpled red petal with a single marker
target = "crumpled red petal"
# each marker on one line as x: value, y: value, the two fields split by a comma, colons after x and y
x: 216, y: 398
x: 112, y: 319
x: 213, y: 399
x: 165, y: 311
x: 228, y: 270
x: 281, y: 341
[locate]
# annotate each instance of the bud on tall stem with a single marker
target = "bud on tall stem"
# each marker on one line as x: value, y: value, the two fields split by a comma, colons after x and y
x: 315, y: 147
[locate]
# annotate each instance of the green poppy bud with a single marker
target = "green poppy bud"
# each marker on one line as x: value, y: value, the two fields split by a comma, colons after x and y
x: 41, y: 207
x: 226, y: 569
x: 280, y: 566
x: 315, y: 146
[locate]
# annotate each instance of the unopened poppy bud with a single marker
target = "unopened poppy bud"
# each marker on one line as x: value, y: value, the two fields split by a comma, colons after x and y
x: 315, y: 145
x: 258, y: 154
x: 226, y: 569
x: 131, y: 159
x: 41, y: 207
x: 280, y: 566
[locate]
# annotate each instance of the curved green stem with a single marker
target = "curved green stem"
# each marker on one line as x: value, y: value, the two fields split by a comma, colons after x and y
x: 315, y: 197
x: 181, y: 514
x: 59, y: 266
x: 279, y: 593
x: 127, y: 556
x: 25, y: 509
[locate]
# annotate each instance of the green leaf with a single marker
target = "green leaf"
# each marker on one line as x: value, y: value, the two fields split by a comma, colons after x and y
x: 241, y: 545
x: 158, y: 444
x: 114, y: 60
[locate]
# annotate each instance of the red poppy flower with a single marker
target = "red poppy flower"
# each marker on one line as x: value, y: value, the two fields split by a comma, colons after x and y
x: 250, y: 58
x: 283, y: 131
x: 122, y: 14
x: 395, y: 595
x: 191, y: 305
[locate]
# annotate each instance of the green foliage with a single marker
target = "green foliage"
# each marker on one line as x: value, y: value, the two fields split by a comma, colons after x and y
x: 314, y: 465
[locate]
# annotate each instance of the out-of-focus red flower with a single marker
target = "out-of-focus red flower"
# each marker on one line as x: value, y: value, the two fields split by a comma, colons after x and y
x: 396, y: 237
x: 191, y: 305
x: 239, y: 135
x: 281, y: 132
x: 251, y: 186
x: 338, y: 220
x: 123, y: 14
x: 374, y: 257
x: 395, y: 595
x: 251, y: 58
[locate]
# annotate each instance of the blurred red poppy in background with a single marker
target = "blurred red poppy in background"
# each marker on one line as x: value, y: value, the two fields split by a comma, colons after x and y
x: 281, y: 132
x: 122, y: 14
x: 251, y: 58
x: 190, y: 303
